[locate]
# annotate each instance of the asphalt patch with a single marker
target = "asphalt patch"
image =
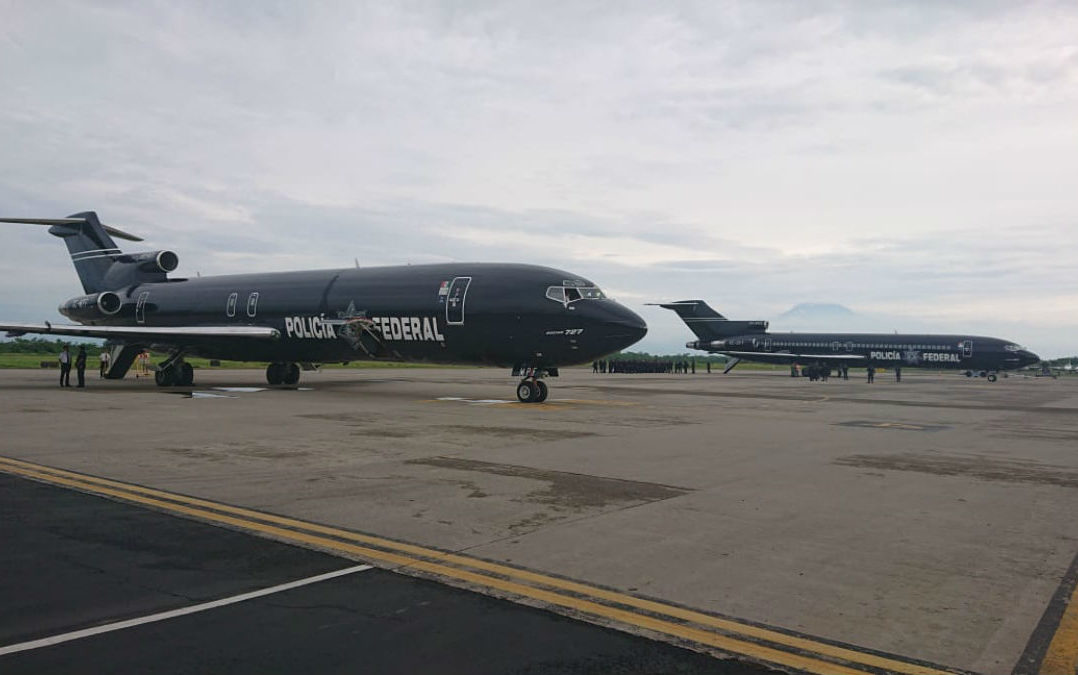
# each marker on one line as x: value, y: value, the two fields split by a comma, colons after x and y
x: 574, y: 490
x: 975, y: 466
x: 900, y: 426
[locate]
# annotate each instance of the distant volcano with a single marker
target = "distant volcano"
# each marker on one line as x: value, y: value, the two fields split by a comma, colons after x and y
x: 822, y: 316
x: 816, y: 311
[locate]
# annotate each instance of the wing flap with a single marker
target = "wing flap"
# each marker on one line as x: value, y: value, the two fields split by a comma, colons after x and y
x: 776, y: 356
x: 163, y: 333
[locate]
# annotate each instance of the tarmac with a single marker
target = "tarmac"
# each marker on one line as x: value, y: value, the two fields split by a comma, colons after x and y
x: 750, y: 520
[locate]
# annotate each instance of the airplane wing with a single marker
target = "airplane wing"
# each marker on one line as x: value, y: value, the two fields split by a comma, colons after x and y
x: 786, y: 356
x: 147, y: 333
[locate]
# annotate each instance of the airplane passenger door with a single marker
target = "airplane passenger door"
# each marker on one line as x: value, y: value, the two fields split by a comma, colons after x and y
x: 967, y: 348
x: 454, y: 303
x: 767, y: 344
x: 140, y: 307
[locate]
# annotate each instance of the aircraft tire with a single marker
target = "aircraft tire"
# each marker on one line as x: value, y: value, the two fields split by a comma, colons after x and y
x: 290, y: 373
x: 991, y: 377
x: 543, y: 390
x: 274, y: 373
x: 186, y: 375
x: 527, y: 392
x: 165, y: 377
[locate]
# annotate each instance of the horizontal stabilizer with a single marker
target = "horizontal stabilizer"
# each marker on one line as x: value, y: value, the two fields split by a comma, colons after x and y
x: 687, y: 309
x: 120, y: 234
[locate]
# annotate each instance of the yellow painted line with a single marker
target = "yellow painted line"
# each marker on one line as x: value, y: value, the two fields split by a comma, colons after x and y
x: 130, y: 492
x: 1062, y: 655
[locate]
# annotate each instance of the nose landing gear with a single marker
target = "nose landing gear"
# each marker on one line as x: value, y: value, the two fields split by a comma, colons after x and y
x: 532, y: 389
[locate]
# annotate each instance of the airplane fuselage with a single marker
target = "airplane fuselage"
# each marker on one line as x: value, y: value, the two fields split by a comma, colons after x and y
x: 933, y: 351
x: 482, y: 313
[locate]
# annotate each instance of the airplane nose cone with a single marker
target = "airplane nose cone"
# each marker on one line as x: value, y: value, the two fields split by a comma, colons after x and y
x: 625, y: 327
x: 1029, y: 358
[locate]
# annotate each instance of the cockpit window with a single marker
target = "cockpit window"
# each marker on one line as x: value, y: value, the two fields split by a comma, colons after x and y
x: 569, y: 294
x: 1013, y: 348
x: 556, y: 293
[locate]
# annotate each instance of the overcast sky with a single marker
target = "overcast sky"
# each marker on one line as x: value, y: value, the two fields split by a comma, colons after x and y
x: 916, y: 162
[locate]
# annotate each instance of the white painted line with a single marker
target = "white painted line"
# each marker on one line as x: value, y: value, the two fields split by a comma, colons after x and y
x: 130, y: 623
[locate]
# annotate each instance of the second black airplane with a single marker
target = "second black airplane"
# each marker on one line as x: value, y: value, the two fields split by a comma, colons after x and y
x: 525, y: 317
x: 750, y: 341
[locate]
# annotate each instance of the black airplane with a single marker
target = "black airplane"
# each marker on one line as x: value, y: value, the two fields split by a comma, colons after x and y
x: 750, y: 341
x: 525, y: 317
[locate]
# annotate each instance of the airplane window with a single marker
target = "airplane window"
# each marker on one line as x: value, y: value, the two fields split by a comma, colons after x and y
x: 556, y: 293
x: 1011, y: 348
x: 569, y: 294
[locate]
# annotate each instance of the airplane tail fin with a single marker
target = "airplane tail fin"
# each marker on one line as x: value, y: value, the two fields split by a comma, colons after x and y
x: 708, y: 324
x: 93, y: 252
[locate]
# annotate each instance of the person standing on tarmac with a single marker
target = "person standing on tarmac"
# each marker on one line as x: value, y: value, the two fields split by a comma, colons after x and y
x: 104, y: 361
x: 871, y: 374
x: 80, y: 367
x: 65, y: 367
x: 898, y: 374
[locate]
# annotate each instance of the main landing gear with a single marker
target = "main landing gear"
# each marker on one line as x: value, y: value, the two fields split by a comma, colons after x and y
x: 987, y: 374
x: 174, y: 372
x: 282, y: 373
x: 532, y: 389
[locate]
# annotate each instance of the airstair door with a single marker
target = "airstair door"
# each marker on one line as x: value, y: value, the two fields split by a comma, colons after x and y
x: 967, y: 348
x: 454, y: 303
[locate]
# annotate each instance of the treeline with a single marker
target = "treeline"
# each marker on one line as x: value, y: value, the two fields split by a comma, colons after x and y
x: 43, y: 346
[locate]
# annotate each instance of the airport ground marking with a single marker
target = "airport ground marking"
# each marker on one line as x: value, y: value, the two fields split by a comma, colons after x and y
x: 174, y: 613
x: 1062, y: 655
x: 739, y: 638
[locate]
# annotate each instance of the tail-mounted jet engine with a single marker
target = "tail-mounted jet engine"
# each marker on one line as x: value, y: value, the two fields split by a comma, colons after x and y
x: 92, y: 307
x: 161, y: 262
x: 136, y: 268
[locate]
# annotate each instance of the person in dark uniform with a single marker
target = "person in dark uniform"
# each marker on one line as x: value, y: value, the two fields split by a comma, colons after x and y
x: 65, y: 367
x: 80, y: 367
x: 871, y: 374
x: 898, y: 373
x: 709, y: 367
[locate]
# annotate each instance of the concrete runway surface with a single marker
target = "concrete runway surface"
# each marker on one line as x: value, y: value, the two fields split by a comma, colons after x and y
x: 917, y: 527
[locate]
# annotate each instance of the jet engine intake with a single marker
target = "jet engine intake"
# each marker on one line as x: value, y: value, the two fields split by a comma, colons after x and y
x: 93, y: 306
x: 161, y: 262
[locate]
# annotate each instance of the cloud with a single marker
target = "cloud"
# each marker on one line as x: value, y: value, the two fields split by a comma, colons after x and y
x: 757, y: 154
